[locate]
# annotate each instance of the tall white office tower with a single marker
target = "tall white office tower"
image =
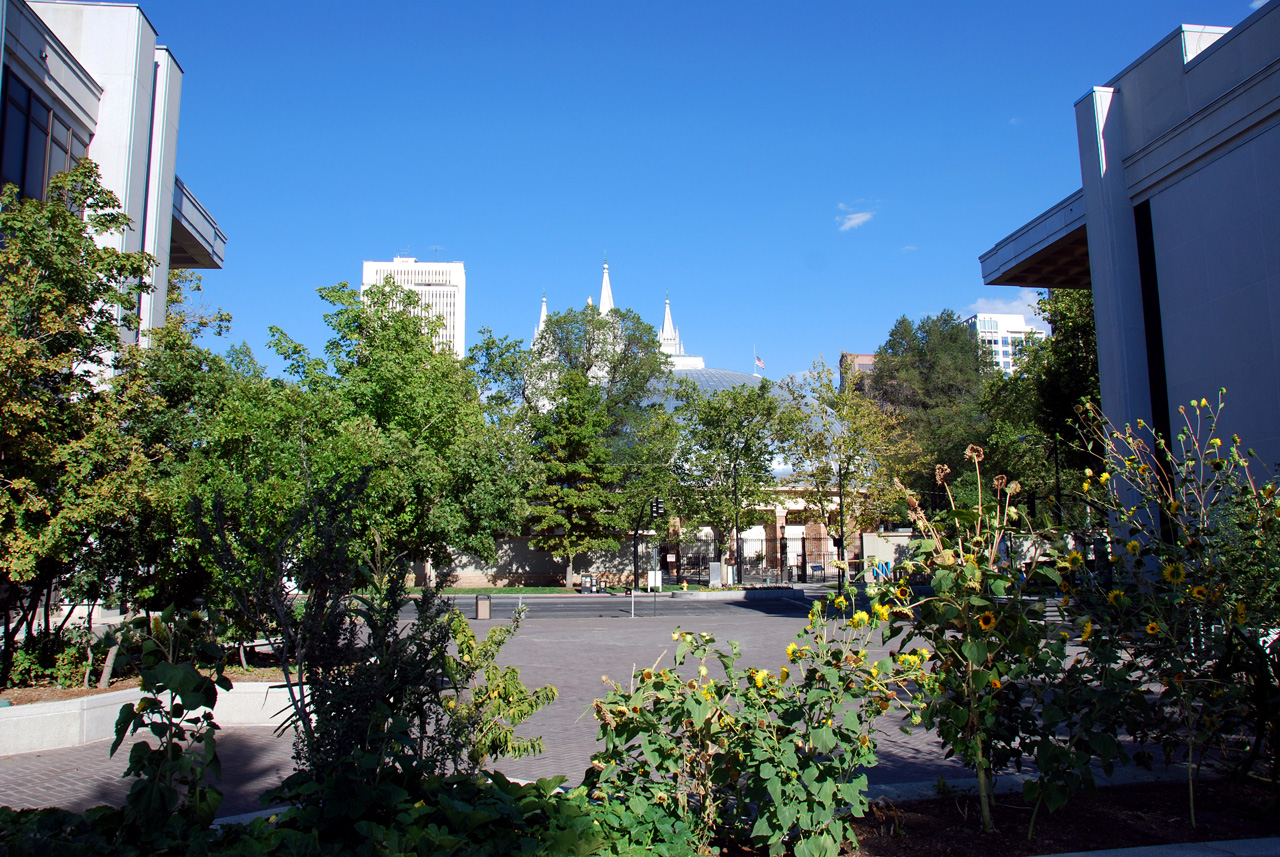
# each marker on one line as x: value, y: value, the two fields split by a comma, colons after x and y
x: 441, y: 288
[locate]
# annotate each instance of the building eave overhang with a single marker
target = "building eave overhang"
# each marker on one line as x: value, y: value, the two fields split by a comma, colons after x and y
x: 196, y: 240
x: 1049, y: 252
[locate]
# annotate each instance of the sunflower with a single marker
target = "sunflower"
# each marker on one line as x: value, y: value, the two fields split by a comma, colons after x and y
x: 1087, y: 631
x: 1074, y: 560
x: 1175, y: 573
x: 995, y: 684
x: 864, y: 740
x: 987, y: 621
x: 881, y: 611
x: 792, y: 649
x: 1115, y: 596
x: 1153, y: 628
x: 784, y: 674
x: 1199, y: 593
x: 904, y: 594
x: 1133, y: 547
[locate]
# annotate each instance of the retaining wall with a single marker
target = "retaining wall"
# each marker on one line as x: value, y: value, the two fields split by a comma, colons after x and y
x: 72, y: 722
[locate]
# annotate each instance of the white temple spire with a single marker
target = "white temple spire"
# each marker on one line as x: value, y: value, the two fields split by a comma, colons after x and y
x: 669, y: 337
x: 542, y: 318
x: 606, y: 293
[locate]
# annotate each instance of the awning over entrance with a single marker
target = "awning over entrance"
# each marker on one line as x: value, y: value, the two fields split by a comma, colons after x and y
x: 1050, y: 252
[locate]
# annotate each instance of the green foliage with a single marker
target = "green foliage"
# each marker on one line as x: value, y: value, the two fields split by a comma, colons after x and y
x: 182, y: 671
x: 841, y: 443
x: 1191, y: 581
x: 931, y: 373
x: 62, y: 301
x: 754, y: 755
x: 464, y: 816
x: 573, y: 507
x: 1002, y: 685
x: 60, y: 657
x: 490, y: 700
x: 724, y: 463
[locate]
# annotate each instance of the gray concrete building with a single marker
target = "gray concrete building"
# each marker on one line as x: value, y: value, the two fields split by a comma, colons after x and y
x: 1176, y: 229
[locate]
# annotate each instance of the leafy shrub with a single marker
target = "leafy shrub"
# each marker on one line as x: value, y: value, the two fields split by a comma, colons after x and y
x: 61, y: 657
x: 1193, y: 562
x: 1002, y: 685
x: 756, y: 754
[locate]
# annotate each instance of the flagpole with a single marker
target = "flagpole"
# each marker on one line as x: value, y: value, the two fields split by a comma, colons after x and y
x: 754, y: 358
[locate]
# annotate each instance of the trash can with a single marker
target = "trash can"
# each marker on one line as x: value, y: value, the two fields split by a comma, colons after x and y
x: 483, y: 606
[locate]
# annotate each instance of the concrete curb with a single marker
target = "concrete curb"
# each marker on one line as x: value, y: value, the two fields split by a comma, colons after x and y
x: 735, y: 594
x: 74, y: 722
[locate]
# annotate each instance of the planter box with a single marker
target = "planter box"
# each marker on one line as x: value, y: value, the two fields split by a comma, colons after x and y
x: 73, y: 722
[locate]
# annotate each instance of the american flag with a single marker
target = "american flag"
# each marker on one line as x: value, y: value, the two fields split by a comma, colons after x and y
x: 759, y: 363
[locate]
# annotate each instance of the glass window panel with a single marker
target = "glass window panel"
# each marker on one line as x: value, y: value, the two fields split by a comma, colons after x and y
x: 17, y: 90
x: 77, y: 149
x: 15, y: 139
x: 39, y: 114
x: 57, y: 161
x: 61, y: 132
x: 37, y: 144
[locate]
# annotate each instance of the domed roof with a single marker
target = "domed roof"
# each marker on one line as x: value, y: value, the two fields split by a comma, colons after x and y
x: 713, y: 380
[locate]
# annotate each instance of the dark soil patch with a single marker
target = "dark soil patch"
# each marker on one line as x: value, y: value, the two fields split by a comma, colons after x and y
x: 1117, y: 817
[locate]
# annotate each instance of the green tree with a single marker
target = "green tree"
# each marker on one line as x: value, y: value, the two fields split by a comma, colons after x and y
x: 573, y: 508
x: 725, y: 463
x: 587, y: 397
x: 1033, y: 413
x: 842, y: 444
x: 931, y: 373
x: 63, y: 300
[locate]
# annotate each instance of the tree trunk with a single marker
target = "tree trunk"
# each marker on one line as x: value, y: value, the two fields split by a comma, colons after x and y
x: 108, y: 664
x: 568, y: 573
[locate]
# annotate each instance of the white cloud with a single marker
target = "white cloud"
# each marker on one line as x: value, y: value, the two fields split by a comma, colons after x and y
x: 1257, y: 4
x: 1021, y: 302
x: 910, y: 248
x: 1014, y: 121
x: 853, y: 219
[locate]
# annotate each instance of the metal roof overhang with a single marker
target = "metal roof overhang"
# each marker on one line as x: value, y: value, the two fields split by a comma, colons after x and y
x: 1050, y: 252
x: 196, y: 241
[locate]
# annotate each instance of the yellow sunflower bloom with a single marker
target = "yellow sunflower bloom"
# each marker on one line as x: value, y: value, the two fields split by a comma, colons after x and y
x: 1087, y: 631
x: 1199, y: 593
x: 987, y: 621
x: 1153, y: 628
x: 1133, y: 547
x: 1175, y: 573
x: 1114, y: 596
x: 1074, y: 560
x: 881, y: 611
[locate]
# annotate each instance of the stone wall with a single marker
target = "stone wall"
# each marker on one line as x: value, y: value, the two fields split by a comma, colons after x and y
x: 518, y: 564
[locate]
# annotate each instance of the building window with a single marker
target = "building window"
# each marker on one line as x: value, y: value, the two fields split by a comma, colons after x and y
x: 35, y: 143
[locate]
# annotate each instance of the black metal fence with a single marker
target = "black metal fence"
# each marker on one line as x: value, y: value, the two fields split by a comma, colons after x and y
x: 764, y: 561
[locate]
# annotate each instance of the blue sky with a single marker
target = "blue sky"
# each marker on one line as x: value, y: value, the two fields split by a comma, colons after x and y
x: 794, y: 176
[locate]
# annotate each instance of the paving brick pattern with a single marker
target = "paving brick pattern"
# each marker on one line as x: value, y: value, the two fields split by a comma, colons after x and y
x: 571, y: 653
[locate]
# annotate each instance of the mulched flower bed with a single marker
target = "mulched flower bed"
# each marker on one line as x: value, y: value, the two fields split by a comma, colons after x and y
x: 1118, y: 817
x: 53, y: 693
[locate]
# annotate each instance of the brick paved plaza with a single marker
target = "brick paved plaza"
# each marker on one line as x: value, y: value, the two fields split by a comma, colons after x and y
x: 571, y: 653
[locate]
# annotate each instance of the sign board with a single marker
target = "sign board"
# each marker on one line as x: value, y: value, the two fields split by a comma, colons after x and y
x: 715, y: 581
x: 671, y: 558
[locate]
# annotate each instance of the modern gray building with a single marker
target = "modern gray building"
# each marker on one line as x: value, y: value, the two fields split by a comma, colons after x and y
x: 1176, y: 229
x: 90, y: 78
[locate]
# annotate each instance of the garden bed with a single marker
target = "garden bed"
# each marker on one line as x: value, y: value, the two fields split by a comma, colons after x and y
x: 1118, y: 817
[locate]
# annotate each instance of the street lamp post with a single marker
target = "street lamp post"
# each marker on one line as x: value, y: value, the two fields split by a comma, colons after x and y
x: 840, y: 548
x: 737, y: 532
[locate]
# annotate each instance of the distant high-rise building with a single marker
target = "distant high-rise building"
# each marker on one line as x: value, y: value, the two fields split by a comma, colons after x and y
x: 1000, y: 332
x: 441, y: 288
